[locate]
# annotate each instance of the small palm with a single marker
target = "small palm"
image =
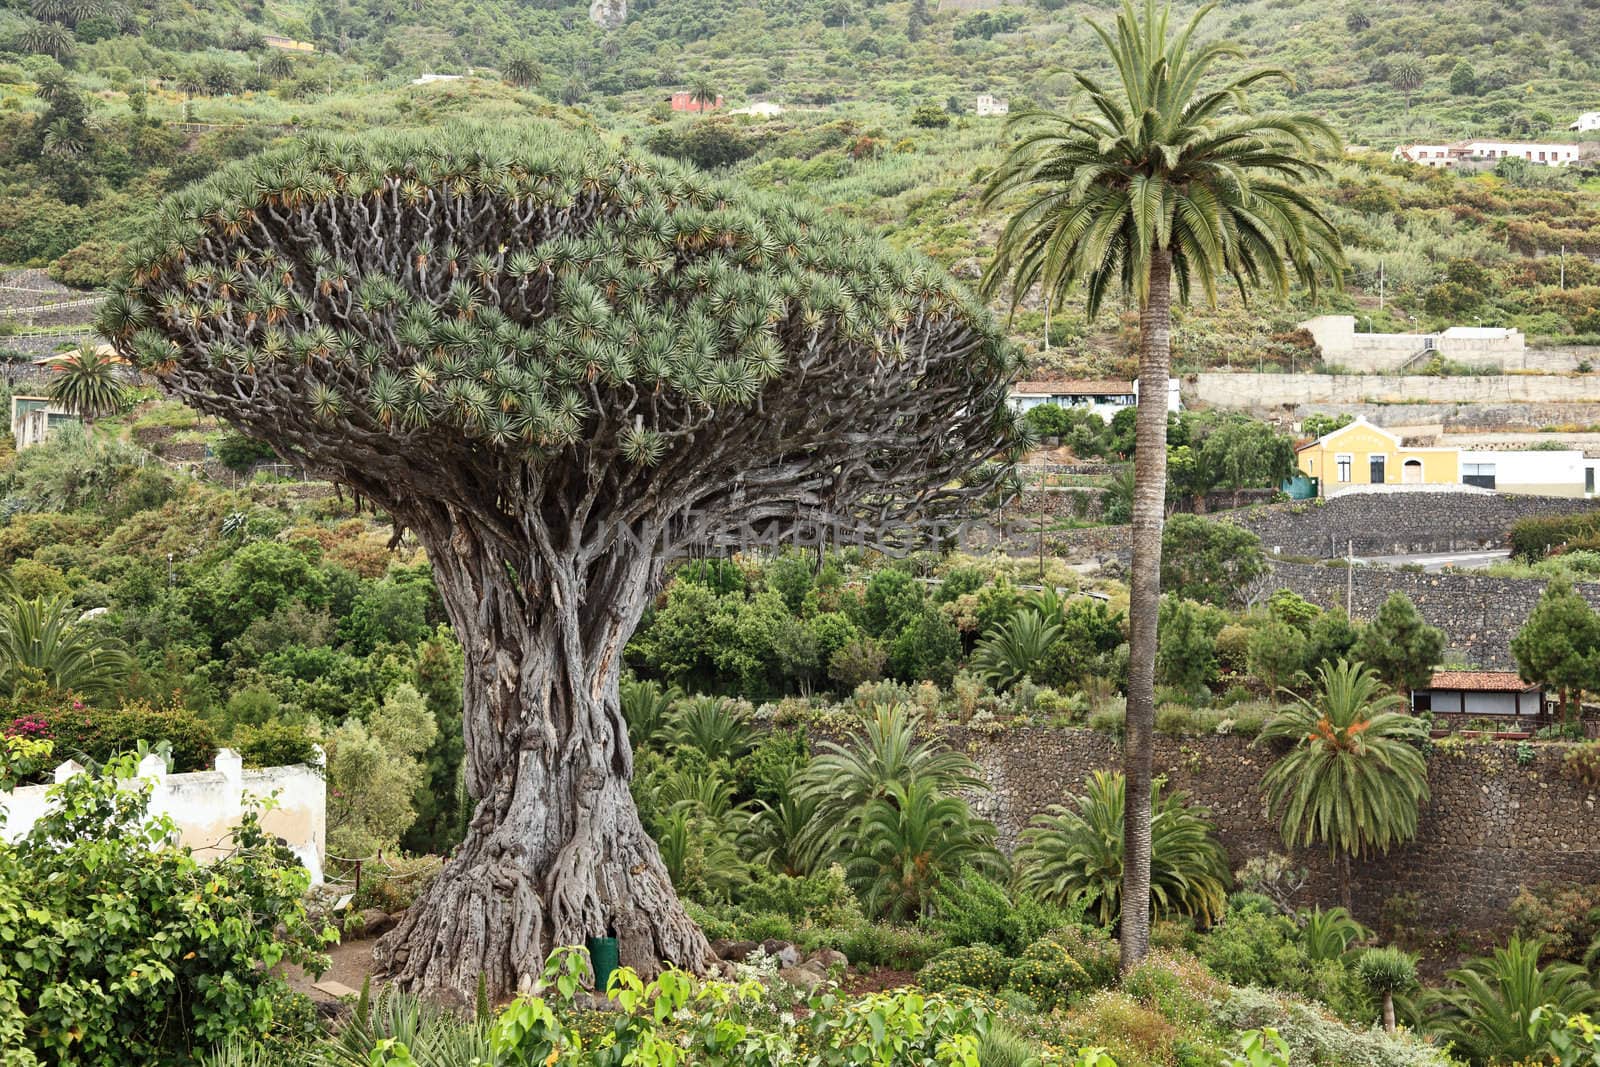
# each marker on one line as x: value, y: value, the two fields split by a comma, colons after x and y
x: 85, y: 382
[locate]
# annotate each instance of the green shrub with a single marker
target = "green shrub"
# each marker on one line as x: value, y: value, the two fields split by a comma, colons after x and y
x: 1583, y: 764
x: 120, y: 948
x: 1049, y: 976
x: 275, y: 744
x: 975, y: 910
x: 974, y: 966
x: 98, y: 734
x: 1176, y: 720
x: 899, y: 948
x: 1564, y: 918
x: 821, y: 899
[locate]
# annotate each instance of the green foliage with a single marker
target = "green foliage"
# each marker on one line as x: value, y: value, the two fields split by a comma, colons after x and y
x: 1354, y: 780
x: 1074, y: 854
x: 85, y: 382
x: 971, y: 966
x: 239, y: 453
x: 1048, y: 975
x: 1557, y: 646
x: 373, y: 771
x: 1015, y: 649
x: 44, y: 645
x: 1399, y: 646
x: 972, y: 909
x: 1186, y: 649
x: 117, y: 946
x: 1488, y: 1009
x: 1210, y: 562
x: 1386, y: 971
x: 275, y: 744
x: 98, y: 735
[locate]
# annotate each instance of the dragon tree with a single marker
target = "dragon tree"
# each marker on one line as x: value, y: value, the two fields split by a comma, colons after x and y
x: 559, y: 365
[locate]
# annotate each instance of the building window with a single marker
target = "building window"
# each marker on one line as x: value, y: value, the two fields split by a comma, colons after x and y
x: 1478, y: 474
x: 1344, y: 461
x: 1588, y: 480
x: 1375, y: 469
x: 1421, y: 700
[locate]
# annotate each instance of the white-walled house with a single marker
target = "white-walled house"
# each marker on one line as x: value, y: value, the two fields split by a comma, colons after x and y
x: 1589, y: 120
x: 1478, y: 693
x: 1452, y: 155
x: 1104, y: 398
x: 988, y: 104
x: 1537, y: 472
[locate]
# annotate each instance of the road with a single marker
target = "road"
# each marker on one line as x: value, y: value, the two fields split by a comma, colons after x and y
x: 1433, y: 562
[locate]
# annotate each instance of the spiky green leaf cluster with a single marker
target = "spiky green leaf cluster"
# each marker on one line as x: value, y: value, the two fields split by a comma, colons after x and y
x: 528, y: 290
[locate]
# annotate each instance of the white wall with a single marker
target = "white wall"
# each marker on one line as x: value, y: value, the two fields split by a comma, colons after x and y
x: 1533, y: 469
x: 207, y: 805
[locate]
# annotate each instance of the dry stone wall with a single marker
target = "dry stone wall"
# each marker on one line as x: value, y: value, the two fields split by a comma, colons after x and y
x: 1491, y: 826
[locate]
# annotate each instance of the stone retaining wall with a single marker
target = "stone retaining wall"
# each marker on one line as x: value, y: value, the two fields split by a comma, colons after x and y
x: 1491, y: 827
x: 1397, y: 523
x: 1479, y: 615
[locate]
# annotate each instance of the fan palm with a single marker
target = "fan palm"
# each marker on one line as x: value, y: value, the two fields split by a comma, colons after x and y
x: 1355, y: 778
x: 279, y: 66
x: 909, y: 838
x: 85, y: 383
x: 1161, y: 176
x: 1487, y: 1012
x: 1013, y: 648
x: 846, y: 779
x: 1073, y: 852
x: 42, y: 641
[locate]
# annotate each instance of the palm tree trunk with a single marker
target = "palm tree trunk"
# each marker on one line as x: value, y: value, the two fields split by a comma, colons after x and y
x: 1388, y: 1011
x: 1149, y: 514
x: 1345, y: 897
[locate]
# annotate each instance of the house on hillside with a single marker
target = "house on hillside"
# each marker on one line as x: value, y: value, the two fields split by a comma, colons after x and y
x: 1500, y: 347
x: 1589, y: 120
x: 1363, y: 454
x: 34, y: 418
x: 287, y: 44
x: 1104, y: 398
x: 683, y: 100
x: 1464, y: 152
x: 987, y: 105
x: 1479, y: 693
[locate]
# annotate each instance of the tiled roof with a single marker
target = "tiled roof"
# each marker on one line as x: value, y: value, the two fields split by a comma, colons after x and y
x: 1073, y: 386
x: 1481, y: 681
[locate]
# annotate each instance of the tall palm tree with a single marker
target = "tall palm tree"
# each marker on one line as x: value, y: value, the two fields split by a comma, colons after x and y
x: 42, y: 643
x: 85, y: 383
x: 1487, y: 1012
x: 522, y: 70
x: 1356, y: 776
x: 1158, y: 179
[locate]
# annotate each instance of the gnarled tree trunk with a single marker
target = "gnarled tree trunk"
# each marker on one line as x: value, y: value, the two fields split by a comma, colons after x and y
x: 1144, y: 605
x: 555, y: 852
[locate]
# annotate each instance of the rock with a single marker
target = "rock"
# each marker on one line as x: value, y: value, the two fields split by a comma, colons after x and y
x: 784, y: 952
x: 608, y: 14
x: 829, y: 958
x: 806, y: 978
x: 375, y: 921
x: 724, y: 970
x: 737, y: 951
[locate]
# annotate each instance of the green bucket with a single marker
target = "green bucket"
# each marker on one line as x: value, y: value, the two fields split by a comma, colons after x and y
x: 603, y: 959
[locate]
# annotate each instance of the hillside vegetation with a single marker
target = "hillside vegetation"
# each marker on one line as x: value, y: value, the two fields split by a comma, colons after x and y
x: 106, y: 106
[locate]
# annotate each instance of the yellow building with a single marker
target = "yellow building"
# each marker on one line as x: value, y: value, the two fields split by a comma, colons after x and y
x: 1364, y: 454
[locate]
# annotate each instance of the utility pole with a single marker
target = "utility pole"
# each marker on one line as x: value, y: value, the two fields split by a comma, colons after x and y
x: 1047, y: 323
x: 1350, y: 579
x: 1380, y: 285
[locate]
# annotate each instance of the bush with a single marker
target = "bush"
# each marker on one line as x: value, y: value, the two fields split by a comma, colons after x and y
x: 97, y: 734
x: 899, y: 948
x: 1049, y: 976
x: 821, y: 899
x: 974, y: 910
x: 973, y: 966
x: 1583, y: 764
x: 239, y: 453
x: 275, y: 744
x: 120, y: 948
x: 1565, y: 918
